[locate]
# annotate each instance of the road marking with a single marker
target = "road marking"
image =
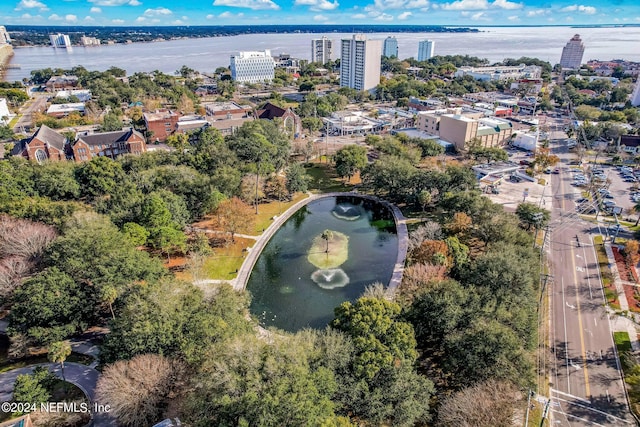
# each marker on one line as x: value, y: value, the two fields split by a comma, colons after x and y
x: 553, y: 390
x: 580, y: 328
x: 579, y: 269
x: 589, y: 408
x: 573, y: 307
x: 578, y: 256
x: 566, y: 340
x: 595, y: 322
x: 577, y: 418
x: 587, y: 267
x: 576, y: 367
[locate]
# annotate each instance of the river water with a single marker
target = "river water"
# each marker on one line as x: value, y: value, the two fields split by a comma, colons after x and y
x: 206, y: 54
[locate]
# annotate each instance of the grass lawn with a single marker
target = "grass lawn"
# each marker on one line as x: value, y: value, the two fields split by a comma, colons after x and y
x: 267, y: 211
x: 325, y: 180
x: 223, y: 264
x: 610, y: 292
x: 622, y: 340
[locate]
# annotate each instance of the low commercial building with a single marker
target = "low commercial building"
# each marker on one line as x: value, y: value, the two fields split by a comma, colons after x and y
x: 525, y: 140
x: 226, y: 109
x: 63, y: 110
x: 83, y: 95
x: 56, y: 83
x: 161, y: 123
x: 352, y: 123
x: 501, y: 72
x: 89, y: 41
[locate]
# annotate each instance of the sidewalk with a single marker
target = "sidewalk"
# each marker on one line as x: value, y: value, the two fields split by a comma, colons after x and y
x: 621, y: 323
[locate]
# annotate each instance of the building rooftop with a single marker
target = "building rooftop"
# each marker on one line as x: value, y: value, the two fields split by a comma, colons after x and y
x: 151, y: 116
x: 66, y: 108
x: 106, y: 138
x: 224, y: 106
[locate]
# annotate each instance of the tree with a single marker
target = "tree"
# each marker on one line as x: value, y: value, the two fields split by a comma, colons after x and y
x: 349, y: 160
x: 424, y: 198
x: 490, y: 154
x: 99, y: 176
x: 545, y: 159
x: 297, y: 179
x: 139, y: 390
x: 488, y: 404
x: 111, y: 122
x: 58, y: 352
x: 234, y: 215
x: 135, y: 233
x: 34, y: 388
x: 327, y: 235
x: 178, y: 140
x: 531, y: 215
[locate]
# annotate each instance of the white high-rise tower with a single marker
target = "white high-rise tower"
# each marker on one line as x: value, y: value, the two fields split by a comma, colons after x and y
x: 321, y: 50
x: 360, y: 62
x: 390, y: 47
x: 60, y: 40
x: 4, y: 36
x: 572, y: 53
x: 635, y: 97
x: 425, y: 50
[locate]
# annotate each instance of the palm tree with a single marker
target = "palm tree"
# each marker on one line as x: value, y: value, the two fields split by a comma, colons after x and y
x: 58, y: 353
x: 636, y: 209
x: 327, y: 235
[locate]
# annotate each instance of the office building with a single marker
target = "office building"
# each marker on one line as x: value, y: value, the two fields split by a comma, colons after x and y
x: 360, y: 62
x: 4, y: 36
x: 390, y: 47
x: 425, y: 50
x: 635, y: 97
x: 252, y: 67
x: 321, y: 50
x: 60, y: 40
x: 572, y: 53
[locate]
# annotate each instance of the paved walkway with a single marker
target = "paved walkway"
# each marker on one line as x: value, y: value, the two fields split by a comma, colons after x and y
x: 84, y: 377
x: 255, y: 251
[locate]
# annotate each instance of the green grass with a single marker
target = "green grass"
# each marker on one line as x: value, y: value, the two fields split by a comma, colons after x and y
x: 622, y: 340
x: 324, y: 179
x: 225, y: 262
x: 610, y: 293
x: 267, y: 211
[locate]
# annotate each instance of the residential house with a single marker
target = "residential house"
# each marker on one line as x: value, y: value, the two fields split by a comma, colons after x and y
x: 291, y: 122
x: 44, y: 144
x: 63, y: 82
x: 108, y: 144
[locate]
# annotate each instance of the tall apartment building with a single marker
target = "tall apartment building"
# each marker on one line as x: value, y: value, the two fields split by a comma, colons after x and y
x: 60, y: 40
x: 425, y: 50
x: 390, y: 47
x: 360, y: 62
x: 572, y: 53
x: 321, y: 50
x: 252, y: 67
x: 4, y: 36
x: 635, y: 97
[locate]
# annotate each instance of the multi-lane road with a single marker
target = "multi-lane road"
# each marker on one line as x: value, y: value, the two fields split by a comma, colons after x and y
x: 585, y: 378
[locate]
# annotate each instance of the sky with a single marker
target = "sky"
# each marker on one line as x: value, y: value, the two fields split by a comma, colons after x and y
x: 250, y: 12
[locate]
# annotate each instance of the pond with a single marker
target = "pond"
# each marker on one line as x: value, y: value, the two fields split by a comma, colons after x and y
x: 325, y: 254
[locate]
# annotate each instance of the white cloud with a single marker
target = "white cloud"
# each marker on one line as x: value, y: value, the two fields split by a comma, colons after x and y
x: 320, y: 18
x: 514, y: 18
x: 480, y: 16
x: 418, y: 4
x: 569, y: 19
x: 88, y: 19
x: 384, y: 17
x: 117, y: 21
x: 466, y: 5
x: 404, y: 15
x: 141, y: 19
x: 178, y: 22
x: 249, y: 4
x: 506, y: 4
x: 27, y: 16
x: 95, y: 10
x: 536, y: 12
x: 318, y: 4
x: 587, y: 10
x: 31, y: 4
x: 55, y: 17
x: 71, y: 18
x: 359, y: 16
x: 158, y: 11
x: 226, y: 15
x: 210, y: 16
x: 116, y: 3
x: 184, y: 18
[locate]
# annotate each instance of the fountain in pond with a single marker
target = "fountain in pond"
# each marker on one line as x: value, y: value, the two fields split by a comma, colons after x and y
x: 328, y: 252
x: 347, y: 212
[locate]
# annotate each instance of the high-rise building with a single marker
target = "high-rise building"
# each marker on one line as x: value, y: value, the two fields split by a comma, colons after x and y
x: 60, y: 40
x: 4, y: 36
x: 89, y: 41
x: 425, y: 50
x: 252, y: 67
x: 635, y: 97
x: 572, y: 53
x: 390, y: 47
x: 321, y: 50
x: 360, y: 62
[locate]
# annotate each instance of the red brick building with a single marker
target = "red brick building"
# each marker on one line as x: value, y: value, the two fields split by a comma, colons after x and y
x: 290, y: 120
x: 45, y: 144
x: 161, y: 123
x: 109, y: 144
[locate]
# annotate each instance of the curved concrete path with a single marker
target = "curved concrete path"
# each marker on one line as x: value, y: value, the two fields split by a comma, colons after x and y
x: 240, y: 282
x: 82, y: 376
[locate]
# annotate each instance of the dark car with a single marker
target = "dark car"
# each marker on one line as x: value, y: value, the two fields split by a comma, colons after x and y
x: 525, y: 162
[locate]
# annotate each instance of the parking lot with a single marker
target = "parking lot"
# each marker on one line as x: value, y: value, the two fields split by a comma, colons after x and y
x: 617, y: 187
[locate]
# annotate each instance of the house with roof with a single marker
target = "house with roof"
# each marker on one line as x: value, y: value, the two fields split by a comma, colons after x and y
x: 291, y: 122
x: 108, y: 144
x: 63, y: 110
x: 44, y: 144
x: 630, y: 144
x: 56, y: 83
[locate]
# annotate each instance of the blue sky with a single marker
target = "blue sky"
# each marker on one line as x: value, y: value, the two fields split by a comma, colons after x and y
x: 228, y: 12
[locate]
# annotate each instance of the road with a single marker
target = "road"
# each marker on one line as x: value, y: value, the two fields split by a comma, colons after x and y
x: 586, y: 383
x: 25, y: 122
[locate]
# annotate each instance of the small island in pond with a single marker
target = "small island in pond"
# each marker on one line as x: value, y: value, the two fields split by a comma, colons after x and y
x: 329, y: 250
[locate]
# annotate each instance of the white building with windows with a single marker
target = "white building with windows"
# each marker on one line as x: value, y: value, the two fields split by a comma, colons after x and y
x: 4, y: 36
x: 89, y: 41
x: 635, y: 97
x: 390, y: 47
x: 425, y: 50
x: 360, y: 62
x: 572, y: 53
x: 321, y: 50
x: 252, y: 67
x: 5, y: 114
x: 60, y: 40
